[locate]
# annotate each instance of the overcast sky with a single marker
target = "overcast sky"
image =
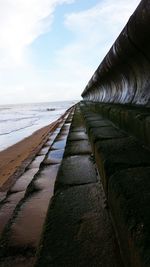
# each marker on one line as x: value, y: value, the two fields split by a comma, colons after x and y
x: 49, y: 49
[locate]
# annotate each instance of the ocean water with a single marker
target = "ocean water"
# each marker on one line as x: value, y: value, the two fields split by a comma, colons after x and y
x: 19, y: 121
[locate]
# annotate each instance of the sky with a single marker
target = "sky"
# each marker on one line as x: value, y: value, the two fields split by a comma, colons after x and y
x: 49, y: 49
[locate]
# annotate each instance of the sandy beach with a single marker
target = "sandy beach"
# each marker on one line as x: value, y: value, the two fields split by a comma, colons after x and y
x: 15, y: 159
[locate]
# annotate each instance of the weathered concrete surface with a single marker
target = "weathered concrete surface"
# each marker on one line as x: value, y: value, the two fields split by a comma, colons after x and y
x: 18, y: 262
x: 54, y: 156
x: 97, y: 124
x: 26, y: 230
x: 24, y: 207
x: 23, y: 182
x: 124, y: 74
x: 104, y: 133
x: 43, y: 151
x: 72, y: 171
x: 134, y: 120
x: 59, y: 144
x: 76, y: 136
x: 8, y: 208
x: 116, y: 154
x: 129, y: 198
x: 78, y: 229
x: 124, y: 166
x: 78, y: 148
x: 36, y: 162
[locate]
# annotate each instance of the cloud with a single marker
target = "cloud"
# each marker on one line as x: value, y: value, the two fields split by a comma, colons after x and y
x: 100, y: 25
x: 21, y: 22
x: 92, y: 31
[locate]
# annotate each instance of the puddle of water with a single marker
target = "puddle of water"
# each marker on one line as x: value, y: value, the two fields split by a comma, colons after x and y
x: 22, y: 183
x: 59, y: 144
x: 36, y: 162
x: 27, y: 228
x: 55, y: 156
x: 8, y: 208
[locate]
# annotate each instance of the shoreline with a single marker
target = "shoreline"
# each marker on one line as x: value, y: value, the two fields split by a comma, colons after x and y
x: 15, y: 159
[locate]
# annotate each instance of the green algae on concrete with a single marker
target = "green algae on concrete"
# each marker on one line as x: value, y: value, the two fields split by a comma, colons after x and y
x: 116, y: 154
x: 98, y: 124
x: 103, y: 133
x: 129, y: 201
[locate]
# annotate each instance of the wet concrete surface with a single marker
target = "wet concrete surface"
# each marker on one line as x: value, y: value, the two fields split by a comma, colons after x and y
x: 43, y: 151
x: 61, y: 137
x: 15, y: 194
x: 18, y: 262
x: 27, y: 227
x: 22, y: 183
x: 74, y: 136
x: 8, y: 207
x: 78, y: 129
x: 2, y: 196
x: 78, y: 147
x: 59, y: 144
x: 54, y: 156
x: 64, y: 132
x: 78, y: 229
x: 36, y: 162
x: 23, y: 209
x: 48, y: 143
x: 72, y: 171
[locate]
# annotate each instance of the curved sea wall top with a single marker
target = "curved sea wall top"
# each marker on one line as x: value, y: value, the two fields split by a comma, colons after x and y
x: 124, y: 74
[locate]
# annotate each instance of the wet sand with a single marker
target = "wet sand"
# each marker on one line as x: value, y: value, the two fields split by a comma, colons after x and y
x: 15, y: 159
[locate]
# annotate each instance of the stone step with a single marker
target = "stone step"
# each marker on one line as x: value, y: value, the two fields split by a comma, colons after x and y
x: 124, y: 167
x: 133, y: 119
x: 23, y: 228
x: 17, y: 191
x: 78, y: 230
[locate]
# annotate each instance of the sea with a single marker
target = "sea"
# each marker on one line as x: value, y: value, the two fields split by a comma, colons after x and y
x: 19, y: 121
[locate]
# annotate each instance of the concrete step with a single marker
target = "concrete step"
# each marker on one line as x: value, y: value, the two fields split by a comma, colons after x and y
x: 28, y: 203
x: 78, y: 230
x: 124, y: 166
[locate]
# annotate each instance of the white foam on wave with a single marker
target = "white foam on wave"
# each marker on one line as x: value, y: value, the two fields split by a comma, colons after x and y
x: 19, y: 121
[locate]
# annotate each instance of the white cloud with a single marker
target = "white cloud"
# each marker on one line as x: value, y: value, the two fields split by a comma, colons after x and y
x: 99, y: 26
x: 21, y: 22
x: 93, y: 31
x: 106, y: 12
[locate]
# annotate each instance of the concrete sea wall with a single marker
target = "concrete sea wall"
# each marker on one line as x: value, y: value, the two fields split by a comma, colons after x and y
x: 119, y: 92
x: 123, y: 76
